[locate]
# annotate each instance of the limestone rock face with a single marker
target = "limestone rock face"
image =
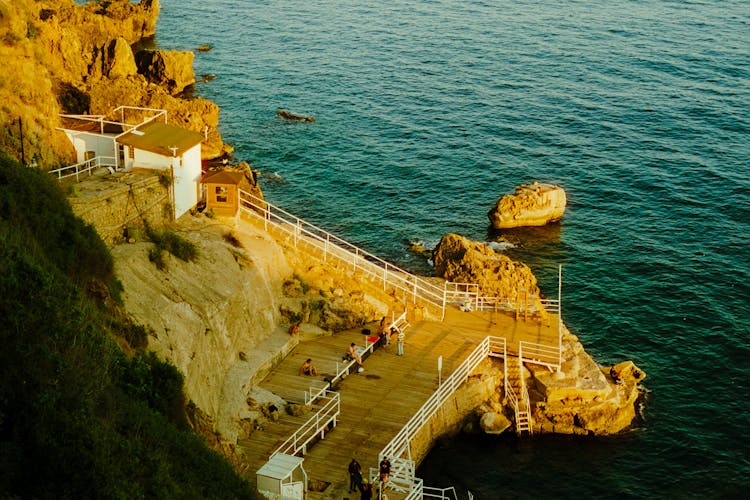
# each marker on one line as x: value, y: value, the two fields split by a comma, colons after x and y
x: 169, y: 68
x: 71, y: 58
x: 530, y: 205
x: 461, y: 260
x: 114, y: 60
x: 583, y: 398
x: 204, y: 314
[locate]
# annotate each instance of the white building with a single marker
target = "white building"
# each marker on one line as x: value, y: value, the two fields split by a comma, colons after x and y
x: 137, y: 138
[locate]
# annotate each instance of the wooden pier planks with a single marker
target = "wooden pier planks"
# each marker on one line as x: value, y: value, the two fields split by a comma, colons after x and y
x: 375, y: 404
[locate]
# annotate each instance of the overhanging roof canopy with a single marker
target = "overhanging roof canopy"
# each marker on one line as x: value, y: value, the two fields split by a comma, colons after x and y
x: 222, y: 177
x: 280, y: 466
x: 161, y: 138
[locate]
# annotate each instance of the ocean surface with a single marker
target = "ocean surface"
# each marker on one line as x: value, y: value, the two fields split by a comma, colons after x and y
x: 428, y: 111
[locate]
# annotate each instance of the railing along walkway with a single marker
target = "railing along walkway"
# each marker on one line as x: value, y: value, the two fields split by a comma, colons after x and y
x: 316, y: 426
x: 333, y: 247
x: 84, y: 167
x: 398, y: 449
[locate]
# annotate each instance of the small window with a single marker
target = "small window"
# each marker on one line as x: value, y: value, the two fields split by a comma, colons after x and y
x: 221, y: 194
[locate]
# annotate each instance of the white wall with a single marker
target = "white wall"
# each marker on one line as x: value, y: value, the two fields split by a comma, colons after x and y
x: 187, y: 177
x: 147, y: 159
x: 83, y: 141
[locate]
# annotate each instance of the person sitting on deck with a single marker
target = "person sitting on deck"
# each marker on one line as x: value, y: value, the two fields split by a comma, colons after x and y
x: 352, y: 353
x: 308, y: 368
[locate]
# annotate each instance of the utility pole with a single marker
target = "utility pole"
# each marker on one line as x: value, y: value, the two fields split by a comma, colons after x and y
x: 20, y: 129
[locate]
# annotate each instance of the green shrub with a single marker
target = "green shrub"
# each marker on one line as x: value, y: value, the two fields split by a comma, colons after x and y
x: 232, y: 239
x: 169, y: 241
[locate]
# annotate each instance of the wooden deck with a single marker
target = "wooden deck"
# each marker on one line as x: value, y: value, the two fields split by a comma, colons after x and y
x: 378, y: 402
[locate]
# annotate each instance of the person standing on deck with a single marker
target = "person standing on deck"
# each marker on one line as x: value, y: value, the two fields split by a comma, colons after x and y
x: 355, y: 476
x: 400, y: 337
x: 385, y: 471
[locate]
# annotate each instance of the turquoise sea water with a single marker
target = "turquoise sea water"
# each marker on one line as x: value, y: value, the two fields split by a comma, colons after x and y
x: 428, y: 111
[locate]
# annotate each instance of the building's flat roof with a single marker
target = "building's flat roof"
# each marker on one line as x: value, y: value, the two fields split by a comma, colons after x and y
x: 161, y: 138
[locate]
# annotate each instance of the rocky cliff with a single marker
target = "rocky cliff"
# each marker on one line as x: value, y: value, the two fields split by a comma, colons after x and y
x: 61, y: 57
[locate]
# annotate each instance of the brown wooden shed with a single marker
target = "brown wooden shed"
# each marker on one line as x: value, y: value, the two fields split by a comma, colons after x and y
x: 222, y: 191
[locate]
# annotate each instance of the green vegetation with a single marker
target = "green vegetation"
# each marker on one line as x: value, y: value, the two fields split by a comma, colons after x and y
x: 167, y: 240
x: 78, y: 417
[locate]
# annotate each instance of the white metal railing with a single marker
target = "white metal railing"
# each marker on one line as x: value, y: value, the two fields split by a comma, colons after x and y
x: 441, y: 493
x: 84, y: 167
x: 540, y: 354
x: 126, y: 127
x: 315, y: 426
x: 399, y: 445
x: 378, y: 269
x: 333, y: 247
x: 510, y: 393
x: 402, y: 474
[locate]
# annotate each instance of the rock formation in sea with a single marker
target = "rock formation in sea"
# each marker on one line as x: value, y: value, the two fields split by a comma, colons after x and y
x: 461, y: 260
x: 70, y: 58
x: 580, y: 398
x: 583, y: 398
x: 532, y: 204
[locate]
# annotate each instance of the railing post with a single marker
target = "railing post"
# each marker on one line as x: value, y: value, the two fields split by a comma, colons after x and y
x: 296, y: 232
x: 266, y: 216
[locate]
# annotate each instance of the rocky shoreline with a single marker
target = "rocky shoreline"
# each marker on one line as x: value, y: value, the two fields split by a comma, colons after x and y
x: 209, y: 317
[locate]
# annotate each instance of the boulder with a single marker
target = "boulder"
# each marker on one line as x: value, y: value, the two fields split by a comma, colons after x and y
x: 532, y: 204
x: 118, y: 59
x: 461, y: 260
x: 494, y: 423
x: 169, y: 68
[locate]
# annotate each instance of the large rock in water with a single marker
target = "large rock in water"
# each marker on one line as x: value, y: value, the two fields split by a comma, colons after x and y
x: 532, y: 204
x: 170, y: 68
x: 461, y: 260
x: 582, y: 398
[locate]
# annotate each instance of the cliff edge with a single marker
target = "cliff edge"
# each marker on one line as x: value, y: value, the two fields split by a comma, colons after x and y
x: 61, y: 57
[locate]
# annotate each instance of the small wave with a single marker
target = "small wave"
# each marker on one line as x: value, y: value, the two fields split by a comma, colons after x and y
x: 501, y: 246
x: 273, y: 178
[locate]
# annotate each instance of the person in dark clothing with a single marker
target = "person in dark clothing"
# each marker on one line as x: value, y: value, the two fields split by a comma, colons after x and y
x: 385, y: 471
x: 366, y: 490
x: 355, y: 476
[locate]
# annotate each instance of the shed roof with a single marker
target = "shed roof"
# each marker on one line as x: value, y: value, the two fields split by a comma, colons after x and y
x: 280, y: 466
x: 223, y: 177
x: 161, y: 138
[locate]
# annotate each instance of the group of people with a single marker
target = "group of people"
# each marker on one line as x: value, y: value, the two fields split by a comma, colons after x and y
x: 357, y: 483
x: 308, y: 368
x: 384, y: 337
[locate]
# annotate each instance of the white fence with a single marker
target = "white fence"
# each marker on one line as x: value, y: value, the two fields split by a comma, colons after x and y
x: 84, y: 167
x: 314, y: 427
x: 333, y: 247
x: 399, y: 445
x: 398, y: 449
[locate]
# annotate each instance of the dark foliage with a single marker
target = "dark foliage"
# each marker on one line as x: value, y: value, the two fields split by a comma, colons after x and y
x: 78, y: 419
